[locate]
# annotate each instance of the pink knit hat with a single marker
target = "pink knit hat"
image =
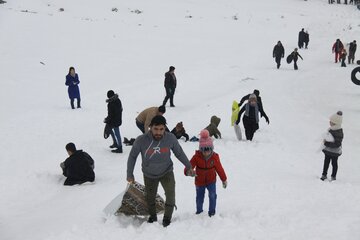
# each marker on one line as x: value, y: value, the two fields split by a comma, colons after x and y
x: 205, y: 140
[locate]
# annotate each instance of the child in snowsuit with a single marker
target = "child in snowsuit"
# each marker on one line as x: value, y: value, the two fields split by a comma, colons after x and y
x: 179, y: 131
x: 207, y: 164
x: 333, y: 149
x: 251, y: 117
x: 343, y: 57
x: 213, y: 127
x: 295, y: 56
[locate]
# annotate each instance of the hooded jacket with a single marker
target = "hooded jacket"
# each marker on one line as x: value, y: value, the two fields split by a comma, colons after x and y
x: 156, y: 155
x: 206, y: 169
x: 213, y: 127
x: 114, y: 117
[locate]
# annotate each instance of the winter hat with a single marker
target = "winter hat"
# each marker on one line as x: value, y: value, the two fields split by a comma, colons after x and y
x: 110, y: 93
x: 252, y: 96
x: 162, y: 109
x: 337, y: 118
x: 205, y: 141
x: 256, y: 92
x: 171, y: 68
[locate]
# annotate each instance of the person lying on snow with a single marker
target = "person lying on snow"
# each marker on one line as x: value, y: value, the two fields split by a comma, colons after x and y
x: 213, y: 127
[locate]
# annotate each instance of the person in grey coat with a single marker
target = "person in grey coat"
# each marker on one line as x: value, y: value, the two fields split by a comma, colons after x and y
x: 155, y: 148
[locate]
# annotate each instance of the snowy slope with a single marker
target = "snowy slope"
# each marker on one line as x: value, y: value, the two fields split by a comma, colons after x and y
x: 274, y: 191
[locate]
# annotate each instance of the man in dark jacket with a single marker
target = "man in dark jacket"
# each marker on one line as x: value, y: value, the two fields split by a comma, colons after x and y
x: 352, y: 50
x: 301, y: 39
x: 337, y: 48
x: 114, y: 120
x: 307, y: 39
x: 170, y: 85
x: 258, y: 99
x: 78, y: 167
x: 278, y: 53
x: 155, y: 148
x: 251, y: 117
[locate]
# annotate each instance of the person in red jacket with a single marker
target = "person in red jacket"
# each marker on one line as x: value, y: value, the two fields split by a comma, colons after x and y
x: 337, y: 48
x: 207, y: 165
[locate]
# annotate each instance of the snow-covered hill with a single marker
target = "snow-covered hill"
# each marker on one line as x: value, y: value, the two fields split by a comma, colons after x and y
x: 222, y: 50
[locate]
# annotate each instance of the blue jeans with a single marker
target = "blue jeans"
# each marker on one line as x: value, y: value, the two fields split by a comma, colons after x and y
x: 115, y: 134
x: 200, y: 195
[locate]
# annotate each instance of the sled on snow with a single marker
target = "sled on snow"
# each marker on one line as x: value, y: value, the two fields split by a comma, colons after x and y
x: 353, y: 75
x: 289, y: 58
x: 132, y: 202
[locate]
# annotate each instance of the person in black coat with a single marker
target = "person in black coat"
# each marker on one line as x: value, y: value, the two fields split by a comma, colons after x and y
x: 352, y: 50
x: 170, y: 85
x: 78, y: 167
x: 301, y: 39
x: 278, y: 53
x: 295, y: 56
x: 307, y: 39
x: 258, y: 99
x: 114, y: 120
x: 251, y: 117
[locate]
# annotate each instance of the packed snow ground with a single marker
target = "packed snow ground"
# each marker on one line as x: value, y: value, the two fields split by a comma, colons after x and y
x: 274, y: 190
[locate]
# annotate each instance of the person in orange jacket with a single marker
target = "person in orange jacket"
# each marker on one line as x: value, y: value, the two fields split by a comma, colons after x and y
x: 207, y: 165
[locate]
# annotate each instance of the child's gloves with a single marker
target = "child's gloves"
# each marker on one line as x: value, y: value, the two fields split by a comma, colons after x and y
x: 224, y: 184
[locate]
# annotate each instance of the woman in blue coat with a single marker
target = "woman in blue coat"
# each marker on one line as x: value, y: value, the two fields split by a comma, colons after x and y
x: 72, y: 80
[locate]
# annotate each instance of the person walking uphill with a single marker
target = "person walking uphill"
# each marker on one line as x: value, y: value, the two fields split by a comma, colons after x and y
x: 251, y: 117
x: 278, y: 53
x: 332, y: 147
x: 170, y: 85
x: 295, y: 56
x: 301, y: 39
x: 207, y: 164
x: 72, y: 80
x: 337, y: 48
x: 114, y: 120
x: 144, y: 118
x: 258, y: 99
x: 78, y: 167
x: 157, y: 165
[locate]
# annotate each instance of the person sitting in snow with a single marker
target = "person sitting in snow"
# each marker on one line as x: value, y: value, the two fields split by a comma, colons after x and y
x: 251, y: 116
x: 333, y: 149
x: 179, y: 131
x: 78, y: 167
x: 207, y: 164
x: 213, y: 127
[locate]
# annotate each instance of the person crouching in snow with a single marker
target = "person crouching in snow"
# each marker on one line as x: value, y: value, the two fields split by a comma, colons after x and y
x: 213, y: 127
x: 179, y: 131
x: 251, y: 117
x: 333, y: 149
x: 207, y: 164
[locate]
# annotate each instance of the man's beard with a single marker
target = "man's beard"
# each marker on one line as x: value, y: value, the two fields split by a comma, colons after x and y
x: 158, y: 137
